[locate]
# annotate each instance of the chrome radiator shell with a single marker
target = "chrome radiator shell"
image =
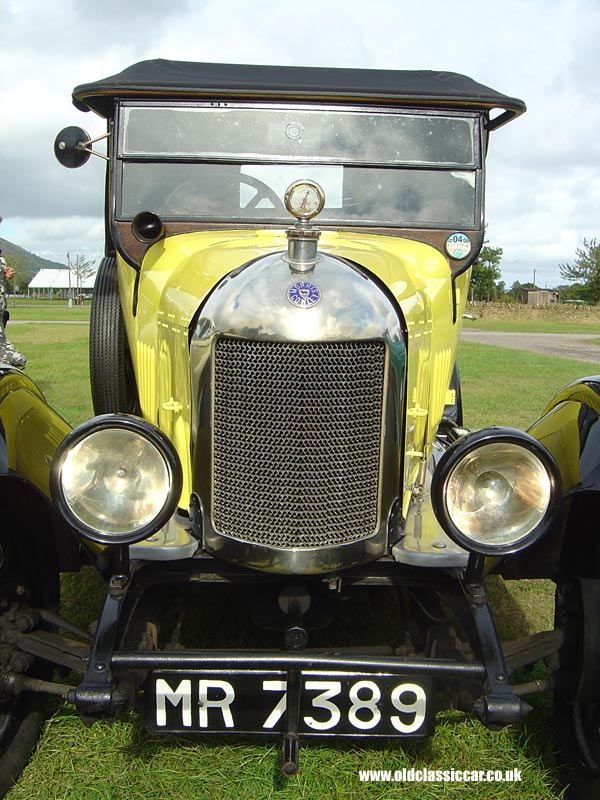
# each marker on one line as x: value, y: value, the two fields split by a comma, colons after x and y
x: 278, y: 456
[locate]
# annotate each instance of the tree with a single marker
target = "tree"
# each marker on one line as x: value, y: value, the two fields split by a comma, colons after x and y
x: 23, y: 273
x: 81, y: 268
x: 571, y: 293
x: 485, y: 273
x: 515, y: 292
x: 585, y: 270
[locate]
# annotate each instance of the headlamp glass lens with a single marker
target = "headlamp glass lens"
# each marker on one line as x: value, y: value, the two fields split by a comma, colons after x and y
x: 498, y: 493
x: 115, y: 481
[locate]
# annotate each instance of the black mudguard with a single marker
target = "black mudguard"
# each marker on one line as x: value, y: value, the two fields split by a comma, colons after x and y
x: 570, y: 430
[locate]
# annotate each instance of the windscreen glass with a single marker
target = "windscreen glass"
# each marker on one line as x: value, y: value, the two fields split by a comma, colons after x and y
x: 234, y: 164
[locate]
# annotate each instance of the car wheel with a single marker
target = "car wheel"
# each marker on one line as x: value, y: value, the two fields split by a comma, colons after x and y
x: 21, y: 716
x: 20, y: 722
x: 577, y: 690
x: 111, y: 370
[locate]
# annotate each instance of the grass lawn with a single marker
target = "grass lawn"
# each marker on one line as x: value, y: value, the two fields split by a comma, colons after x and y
x: 119, y: 760
x: 532, y: 325
x: 25, y: 309
x: 511, y: 387
x: 57, y: 360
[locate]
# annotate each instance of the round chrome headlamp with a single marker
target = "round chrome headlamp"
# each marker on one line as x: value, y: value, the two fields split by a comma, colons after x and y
x: 116, y: 479
x: 495, y: 491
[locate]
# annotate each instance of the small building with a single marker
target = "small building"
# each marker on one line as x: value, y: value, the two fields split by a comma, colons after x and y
x: 57, y: 283
x: 538, y: 297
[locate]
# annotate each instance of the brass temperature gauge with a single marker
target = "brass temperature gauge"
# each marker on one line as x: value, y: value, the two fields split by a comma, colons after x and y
x: 304, y: 199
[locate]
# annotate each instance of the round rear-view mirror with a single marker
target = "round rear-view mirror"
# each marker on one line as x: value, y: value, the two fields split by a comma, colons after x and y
x: 70, y: 147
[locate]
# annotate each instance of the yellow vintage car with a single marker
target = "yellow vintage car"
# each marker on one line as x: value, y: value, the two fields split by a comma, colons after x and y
x: 273, y: 368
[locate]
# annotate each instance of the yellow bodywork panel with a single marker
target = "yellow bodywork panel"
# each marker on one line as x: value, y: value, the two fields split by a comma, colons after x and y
x: 179, y: 272
x: 32, y: 429
x: 558, y: 429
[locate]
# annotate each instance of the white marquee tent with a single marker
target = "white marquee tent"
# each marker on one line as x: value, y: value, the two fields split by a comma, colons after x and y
x: 55, y: 282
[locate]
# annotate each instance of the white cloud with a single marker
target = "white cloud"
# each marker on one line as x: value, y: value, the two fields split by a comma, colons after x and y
x: 543, y: 169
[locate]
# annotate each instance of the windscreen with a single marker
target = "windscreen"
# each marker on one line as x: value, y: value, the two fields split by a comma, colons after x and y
x: 377, y: 167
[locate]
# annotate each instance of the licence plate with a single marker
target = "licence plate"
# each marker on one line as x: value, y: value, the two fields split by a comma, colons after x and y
x: 332, y: 703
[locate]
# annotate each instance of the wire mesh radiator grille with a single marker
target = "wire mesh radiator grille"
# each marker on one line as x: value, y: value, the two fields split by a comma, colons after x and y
x: 297, y: 432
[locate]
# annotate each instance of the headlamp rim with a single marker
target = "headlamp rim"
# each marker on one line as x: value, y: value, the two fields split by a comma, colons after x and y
x: 458, y: 451
x: 147, y: 431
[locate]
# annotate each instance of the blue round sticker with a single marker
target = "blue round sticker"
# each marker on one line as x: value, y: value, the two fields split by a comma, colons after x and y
x: 304, y: 294
x: 458, y: 245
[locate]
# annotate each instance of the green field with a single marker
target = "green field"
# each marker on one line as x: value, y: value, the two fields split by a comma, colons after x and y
x: 511, y: 387
x: 23, y: 309
x: 119, y: 760
x: 57, y: 360
x: 532, y: 325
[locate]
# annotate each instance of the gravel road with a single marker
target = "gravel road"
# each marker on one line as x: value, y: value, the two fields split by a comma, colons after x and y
x: 569, y: 345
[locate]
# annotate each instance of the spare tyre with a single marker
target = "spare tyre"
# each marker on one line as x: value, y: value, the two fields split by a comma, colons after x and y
x: 111, y: 369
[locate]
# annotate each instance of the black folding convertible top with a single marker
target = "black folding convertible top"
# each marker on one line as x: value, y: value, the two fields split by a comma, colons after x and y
x: 160, y: 79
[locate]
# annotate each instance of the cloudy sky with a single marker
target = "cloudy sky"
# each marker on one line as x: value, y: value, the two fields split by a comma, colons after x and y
x: 543, y: 185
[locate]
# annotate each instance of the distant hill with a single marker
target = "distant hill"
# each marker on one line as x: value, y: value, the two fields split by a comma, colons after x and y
x: 25, y: 263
